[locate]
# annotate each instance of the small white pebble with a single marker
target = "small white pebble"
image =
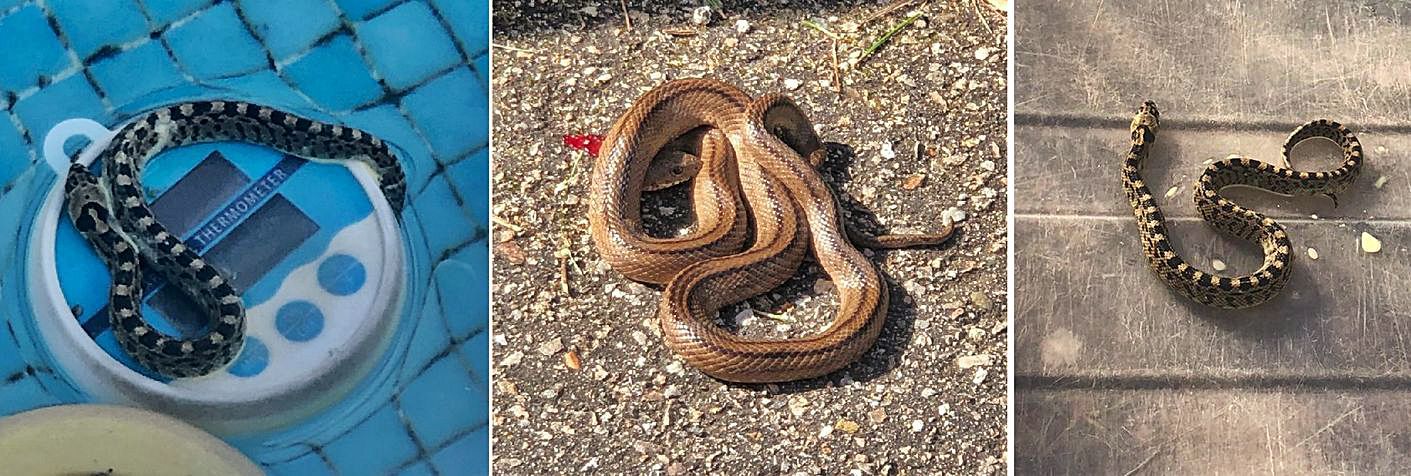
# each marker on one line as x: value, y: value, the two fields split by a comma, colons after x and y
x: 701, y: 15
x: 1370, y: 243
x: 887, y: 151
x: 1217, y: 264
x: 982, y: 53
x: 1172, y: 192
x: 917, y: 425
x: 792, y: 84
x: 1380, y: 181
x: 742, y: 26
x: 1312, y: 253
x: 955, y: 215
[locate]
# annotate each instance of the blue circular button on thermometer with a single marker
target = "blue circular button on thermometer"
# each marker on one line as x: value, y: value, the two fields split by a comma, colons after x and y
x: 313, y: 249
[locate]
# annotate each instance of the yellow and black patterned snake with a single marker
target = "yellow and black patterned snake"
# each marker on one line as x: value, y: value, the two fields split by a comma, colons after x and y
x: 113, y: 217
x: 1233, y: 292
x: 759, y: 204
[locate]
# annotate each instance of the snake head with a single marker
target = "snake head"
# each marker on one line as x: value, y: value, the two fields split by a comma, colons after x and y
x: 670, y: 168
x: 81, y: 188
x: 1145, y: 122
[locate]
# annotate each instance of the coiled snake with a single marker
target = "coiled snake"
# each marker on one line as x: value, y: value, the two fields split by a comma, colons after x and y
x: 759, y: 206
x: 1233, y: 292
x: 113, y: 217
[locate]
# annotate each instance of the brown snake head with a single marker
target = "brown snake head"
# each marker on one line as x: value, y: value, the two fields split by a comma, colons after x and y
x: 1144, y: 124
x: 670, y: 167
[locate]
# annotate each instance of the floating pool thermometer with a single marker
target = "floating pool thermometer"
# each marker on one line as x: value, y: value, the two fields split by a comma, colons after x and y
x: 313, y: 249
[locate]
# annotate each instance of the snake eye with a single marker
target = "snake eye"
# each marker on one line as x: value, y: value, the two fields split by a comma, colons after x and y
x: 677, y: 170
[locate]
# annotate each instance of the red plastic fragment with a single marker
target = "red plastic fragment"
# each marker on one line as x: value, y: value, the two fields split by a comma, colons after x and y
x: 588, y: 142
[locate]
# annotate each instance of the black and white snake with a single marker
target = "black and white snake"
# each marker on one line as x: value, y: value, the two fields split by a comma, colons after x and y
x: 113, y: 217
x: 1249, y: 290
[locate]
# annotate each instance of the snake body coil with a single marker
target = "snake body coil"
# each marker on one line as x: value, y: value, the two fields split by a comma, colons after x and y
x: 1212, y: 289
x: 113, y: 217
x: 760, y: 205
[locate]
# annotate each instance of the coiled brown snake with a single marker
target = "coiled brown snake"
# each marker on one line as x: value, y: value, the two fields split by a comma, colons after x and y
x: 759, y: 204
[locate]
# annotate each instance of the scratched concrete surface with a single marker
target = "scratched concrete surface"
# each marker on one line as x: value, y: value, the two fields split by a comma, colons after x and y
x: 1114, y: 373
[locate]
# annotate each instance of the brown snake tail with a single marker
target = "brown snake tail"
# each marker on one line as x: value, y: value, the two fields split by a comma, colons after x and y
x: 760, y: 206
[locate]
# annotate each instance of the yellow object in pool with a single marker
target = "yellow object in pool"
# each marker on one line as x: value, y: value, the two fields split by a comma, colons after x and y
x: 106, y: 439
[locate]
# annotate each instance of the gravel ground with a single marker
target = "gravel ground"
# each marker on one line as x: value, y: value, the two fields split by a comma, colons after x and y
x: 583, y: 382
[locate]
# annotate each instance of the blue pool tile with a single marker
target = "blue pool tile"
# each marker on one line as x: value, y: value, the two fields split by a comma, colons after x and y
x: 476, y: 350
x: 470, y: 21
x: 307, y: 464
x: 376, y: 446
x: 41, y: 54
x: 71, y: 97
x: 476, y: 255
x: 419, y: 469
x: 451, y: 113
x: 361, y: 9
x: 446, y: 223
x: 136, y: 72
x: 289, y: 26
x: 482, y: 68
x: 12, y: 361
x: 407, y: 44
x: 333, y: 74
x: 463, y: 297
x: 14, y: 156
x: 163, y: 12
x: 266, y: 87
x: 215, y: 44
x: 443, y: 402
x: 14, y: 213
x: 389, y: 124
x: 22, y: 395
x: 471, y: 177
x: 467, y: 455
x: 428, y: 340
x: 92, y: 24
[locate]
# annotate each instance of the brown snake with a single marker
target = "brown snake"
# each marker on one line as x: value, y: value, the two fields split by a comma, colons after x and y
x: 759, y: 204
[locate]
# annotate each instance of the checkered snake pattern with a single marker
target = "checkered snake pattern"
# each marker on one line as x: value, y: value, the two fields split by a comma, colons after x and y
x: 113, y: 217
x: 1233, y: 292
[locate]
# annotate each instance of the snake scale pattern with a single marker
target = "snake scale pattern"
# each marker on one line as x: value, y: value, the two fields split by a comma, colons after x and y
x: 1233, y: 292
x: 760, y: 206
x: 113, y: 217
